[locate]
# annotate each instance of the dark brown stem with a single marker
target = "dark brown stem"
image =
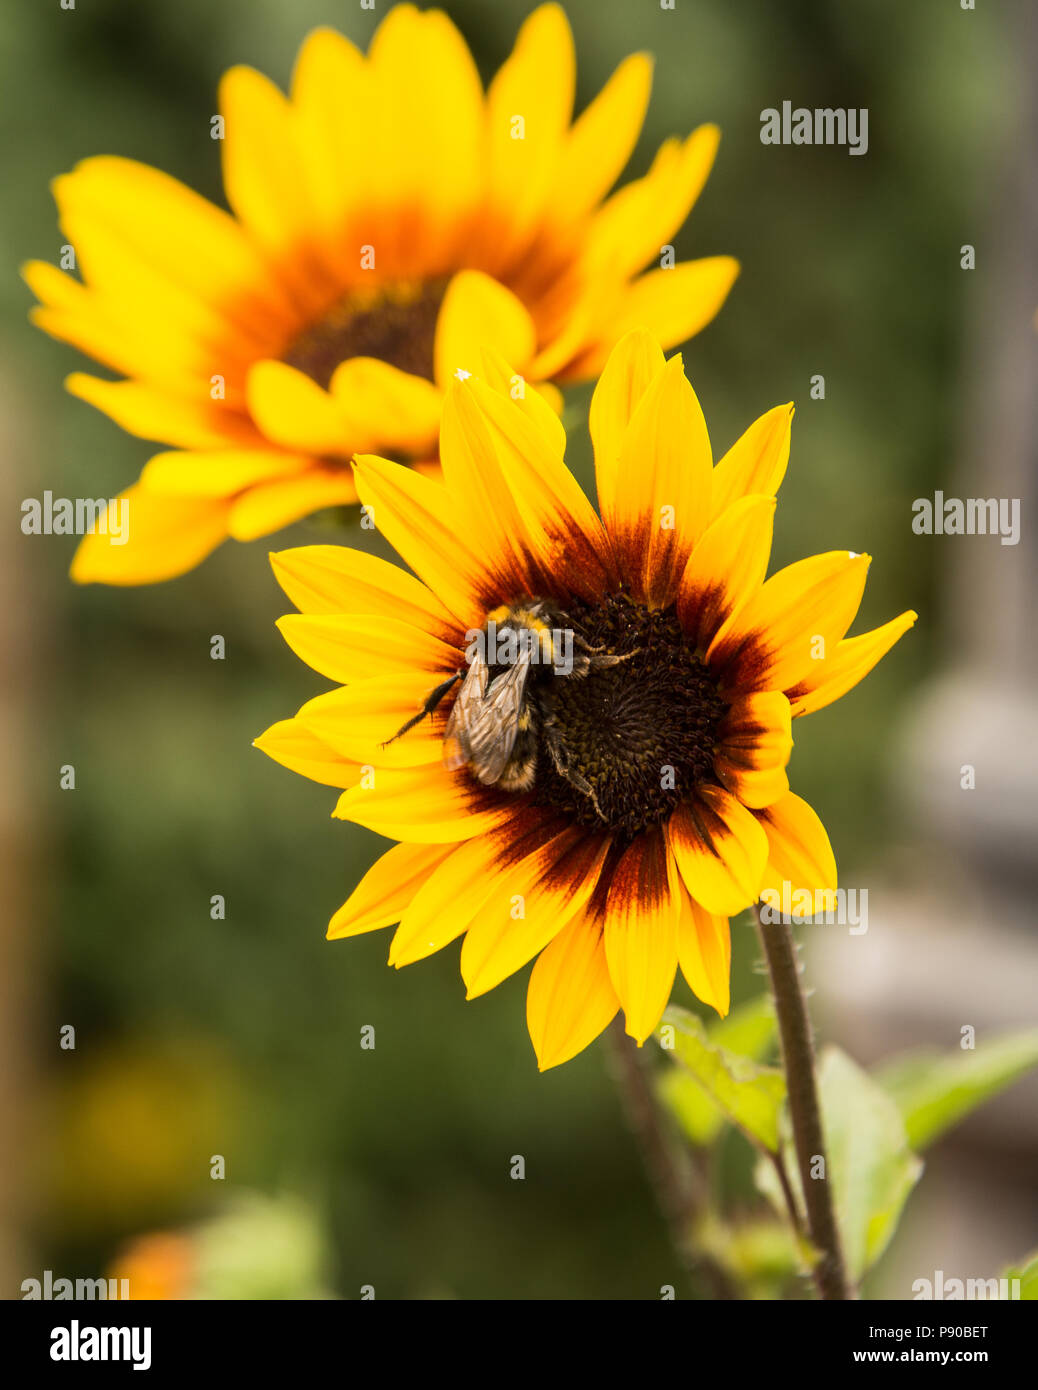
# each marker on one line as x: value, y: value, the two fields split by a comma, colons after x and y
x: 678, y: 1184
x: 805, y: 1113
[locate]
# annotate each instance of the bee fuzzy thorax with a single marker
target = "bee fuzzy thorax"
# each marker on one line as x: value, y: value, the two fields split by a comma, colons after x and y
x: 522, y: 633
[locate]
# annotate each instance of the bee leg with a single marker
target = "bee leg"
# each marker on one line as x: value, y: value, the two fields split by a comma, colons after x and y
x: 432, y: 700
x: 578, y: 780
x: 594, y: 658
x: 562, y: 767
x: 597, y: 662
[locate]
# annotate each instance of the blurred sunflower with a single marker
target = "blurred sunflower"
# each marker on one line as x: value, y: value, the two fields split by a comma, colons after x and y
x: 658, y: 804
x: 388, y: 219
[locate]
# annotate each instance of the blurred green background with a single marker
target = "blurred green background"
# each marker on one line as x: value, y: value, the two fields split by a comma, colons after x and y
x: 242, y: 1037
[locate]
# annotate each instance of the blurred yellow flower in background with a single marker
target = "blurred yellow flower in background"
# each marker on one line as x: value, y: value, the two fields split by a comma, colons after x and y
x: 255, y: 1246
x: 159, y: 1265
x: 388, y: 219
x: 133, y: 1127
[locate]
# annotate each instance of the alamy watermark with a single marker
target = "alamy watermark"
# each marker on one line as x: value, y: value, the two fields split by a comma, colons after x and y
x: 941, y: 1287
x: 843, y: 907
x: 50, y: 1288
x: 80, y: 1342
x: 967, y: 516
x: 826, y: 125
x: 77, y: 516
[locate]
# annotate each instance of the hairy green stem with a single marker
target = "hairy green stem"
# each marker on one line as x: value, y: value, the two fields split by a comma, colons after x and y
x: 805, y: 1113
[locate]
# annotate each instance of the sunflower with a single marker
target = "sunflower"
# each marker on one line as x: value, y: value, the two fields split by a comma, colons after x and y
x: 388, y: 217
x: 659, y: 804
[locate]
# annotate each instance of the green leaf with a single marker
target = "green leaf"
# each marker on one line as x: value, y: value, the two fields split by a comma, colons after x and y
x: 749, y: 1095
x: 760, y: 1254
x: 1027, y: 1273
x: 934, y: 1090
x: 700, y: 1119
x: 749, y: 1031
x: 871, y: 1164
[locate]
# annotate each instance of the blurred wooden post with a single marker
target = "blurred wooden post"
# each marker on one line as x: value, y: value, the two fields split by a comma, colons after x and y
x: 958, y: 946
x: 22, y: 624
x: 983, y: 711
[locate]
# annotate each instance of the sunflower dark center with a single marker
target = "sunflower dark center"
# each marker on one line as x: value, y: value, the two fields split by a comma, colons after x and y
x: 395, y: 323
x: 641, y: 733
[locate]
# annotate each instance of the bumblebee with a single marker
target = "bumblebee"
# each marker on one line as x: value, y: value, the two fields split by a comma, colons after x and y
x: 503, y: 713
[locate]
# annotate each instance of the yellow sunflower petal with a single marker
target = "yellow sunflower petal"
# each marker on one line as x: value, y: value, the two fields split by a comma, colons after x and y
x: 662, y: 499
x: 799, y: 852
x: 133, y: 207
x: 332, y: 142
x: 756, y: 462
x: 187, y: 336
x: 55, y: 289
x: 167, y: 536
x: 450, y: 114
x: 385, y: 408
x: 447, y: 902
x: 189, y: 422
x: 481, y: 499
x: 352, y: 647
x: 217, y: 473
x: 387, y: 889
x: 643, y: 216
x: 477, y: 312
x: 543, y: 526
x: 570, y: 998
x: 534, y: 86
x: 602, y: 140
x: 674, y: 304
x: 177, y: 339
x: 755, y: 743
x: 268, y: 507
x: 335, y: 579
x: 360, y: 720
x: 111, y: 334
x: 794, y: 620
x: 633, y: 364
x: 541, y: 401
x: 705, y: 954
x: 852, y: 660
x: 726, y: 568
x: 265, y: 182
x: 530, y: 902
x: 426, y: 126
x: 428, y: 805
x: 642, y: 914
x: 419, y: 520
x: 720, y: 850
x: 590, y: 305
x: 295, y: 747
x: 99, y: 339
x: 293, y: 411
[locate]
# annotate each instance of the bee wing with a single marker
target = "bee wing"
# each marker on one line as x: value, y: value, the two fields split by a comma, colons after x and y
x: 466, y: 704
x: 488, y: 724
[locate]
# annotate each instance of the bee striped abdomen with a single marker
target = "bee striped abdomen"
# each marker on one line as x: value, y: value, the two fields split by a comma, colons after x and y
x: 521, y: 769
